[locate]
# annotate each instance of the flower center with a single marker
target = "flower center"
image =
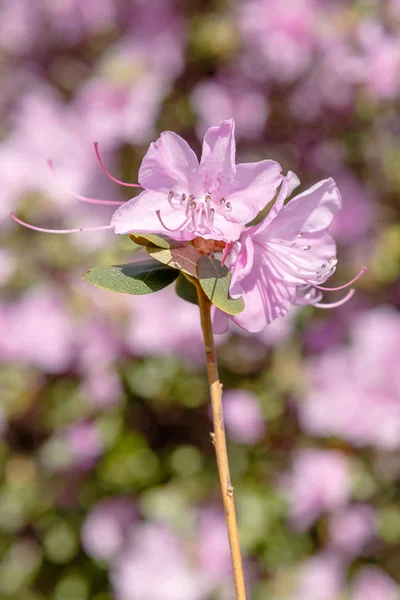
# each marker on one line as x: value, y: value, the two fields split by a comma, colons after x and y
x: 199, y: 212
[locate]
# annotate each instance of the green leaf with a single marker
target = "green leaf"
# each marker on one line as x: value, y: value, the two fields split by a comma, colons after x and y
x: 185, y: 258
x: 215, y: 281
x: 135, y: 278
x: 186, y: 290
x: 158, y: 241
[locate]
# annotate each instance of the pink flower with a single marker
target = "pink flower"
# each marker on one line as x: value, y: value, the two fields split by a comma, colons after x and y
x: 319, y: 482
x: 351, y: 528
x: 371, y: 583
x: 185, y: 199
x: 107, y: 527
x: 243, y: 417
x: 283, y: 260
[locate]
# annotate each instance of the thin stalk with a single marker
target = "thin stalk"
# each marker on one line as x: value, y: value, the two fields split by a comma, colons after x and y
x: 219, y: 441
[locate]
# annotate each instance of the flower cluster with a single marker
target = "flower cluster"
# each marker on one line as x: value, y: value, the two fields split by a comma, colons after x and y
x: 280, y: 261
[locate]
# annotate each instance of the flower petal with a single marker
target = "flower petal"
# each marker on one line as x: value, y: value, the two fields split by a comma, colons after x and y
x: 169, y: 164
x: 139, y: 215
x: 309, y: 212
x: 217, y: 164
x: 254, y: 187
x: 242, y: 264
x: 289, y: 183
x: 268, y: 295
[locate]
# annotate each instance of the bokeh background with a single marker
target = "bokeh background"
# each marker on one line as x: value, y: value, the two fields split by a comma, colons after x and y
x: 108, y: 483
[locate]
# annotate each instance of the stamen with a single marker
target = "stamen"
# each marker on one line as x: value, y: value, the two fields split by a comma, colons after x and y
x: 336, y: 304
x: 78, y: 196
x: 185, y: 222
x: 193, y: 213
x: 191, y: 198
x: 228, y: 206
x: 29, y: 226
x: 308, y: 247
x: 183, y: 197
x: 222, y: 201
x: 96, y: 149
x: 340, y: 287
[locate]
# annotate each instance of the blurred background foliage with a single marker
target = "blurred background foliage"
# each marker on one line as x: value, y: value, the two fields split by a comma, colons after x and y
x: 108, y: 482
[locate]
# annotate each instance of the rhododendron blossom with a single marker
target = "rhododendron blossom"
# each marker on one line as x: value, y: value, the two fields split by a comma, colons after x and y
x: 284, y: 259
x: 184, y: 199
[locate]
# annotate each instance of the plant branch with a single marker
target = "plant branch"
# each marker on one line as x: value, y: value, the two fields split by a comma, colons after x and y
x: 219, y: 441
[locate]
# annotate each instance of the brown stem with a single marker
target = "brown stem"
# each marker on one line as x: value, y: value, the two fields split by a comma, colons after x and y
x: 219, y: 442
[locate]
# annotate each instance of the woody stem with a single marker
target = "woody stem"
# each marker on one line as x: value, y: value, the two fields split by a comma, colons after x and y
x: 219, y: 441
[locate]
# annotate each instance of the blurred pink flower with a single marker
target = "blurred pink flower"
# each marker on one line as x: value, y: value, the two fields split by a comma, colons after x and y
x: 38, y: 330
x: 355, y: 390
x: 381, y: 59
x: 350, y: 528
x: 371, y: 583
x: 319, y: 578
x: 107, y: 527
x: 85, y: 444
x: 183, y: 199
x: 278, y: 37
x: 150, y: 332
x: 319, y: 481
x: 243, y: 417
x: 212, y: 545
x: 155, y: 566
x: 226, y: 97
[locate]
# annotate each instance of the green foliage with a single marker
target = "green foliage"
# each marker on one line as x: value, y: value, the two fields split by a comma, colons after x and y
x: 215, y: 281
x: 136, y: 278
x: 185, y: 258
x: 186, y: 290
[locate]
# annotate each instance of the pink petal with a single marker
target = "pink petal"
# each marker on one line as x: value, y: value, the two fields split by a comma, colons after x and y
x: 289, y: 183
x: 311, y: 211
x: 217, y: 165
x: 139, y: 215
x: 228, y: 231
x: 169, y: 164
x: 243, y: 264
x: 267, y: 295
x: 304, y: 265
x: 254, y: 187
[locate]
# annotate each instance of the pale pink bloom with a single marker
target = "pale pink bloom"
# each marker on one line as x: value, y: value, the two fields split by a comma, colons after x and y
x: 284, y: 259
x: 354, y: 392
x: 349, y: 529
x: 162, y: 323
x: 230, y: 97
x: 38, y: 330
x: 184, y: 199
x: 278, y: 37
x: 212, y: 545
x: 155, y: 566
x: 85, y: 444
x: 243, y: 417
x: 104, y: 388
x: 107, y: 527
x: 371, y: 583
x: 319, y: 481
x: 319, y: 578
x: 381, y: 61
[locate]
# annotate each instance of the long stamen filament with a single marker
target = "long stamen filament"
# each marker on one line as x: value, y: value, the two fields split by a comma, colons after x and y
x: 78, y: 196
x: 348, y: 297
x: 96, y: 149
x: 42, y: 229
x: 340, y: 287
x: 185, y: 222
